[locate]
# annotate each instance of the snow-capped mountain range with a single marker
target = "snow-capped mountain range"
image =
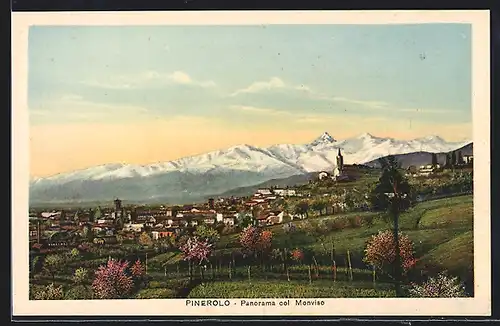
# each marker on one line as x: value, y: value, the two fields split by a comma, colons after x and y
x: 222, y: 170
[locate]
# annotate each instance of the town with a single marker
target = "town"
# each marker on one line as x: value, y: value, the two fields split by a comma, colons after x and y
x: 266, y: 207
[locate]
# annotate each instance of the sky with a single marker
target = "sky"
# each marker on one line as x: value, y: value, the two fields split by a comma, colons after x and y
x: 143, y: 94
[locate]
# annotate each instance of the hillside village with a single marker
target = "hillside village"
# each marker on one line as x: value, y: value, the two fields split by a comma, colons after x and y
x: 330, y: 193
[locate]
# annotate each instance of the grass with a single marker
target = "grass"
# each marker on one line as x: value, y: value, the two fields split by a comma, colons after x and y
x: 455, y: 255
x: 156, y: 293
x: 293, y: 289
x: 456, y: 215
x: 440, y: 229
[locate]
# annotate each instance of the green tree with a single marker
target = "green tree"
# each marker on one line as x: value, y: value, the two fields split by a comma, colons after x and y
x: 318, y: 206
x: 53, y: 264
x: 207, y: 233
x: 392, y: 194
x: 453, y: 158
x: 302, y: 208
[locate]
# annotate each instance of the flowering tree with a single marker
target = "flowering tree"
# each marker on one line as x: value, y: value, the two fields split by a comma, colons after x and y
x: 256, y: 242
x: 297, y: 255
x: 441, y: 286
x: 381, y: 251
x: 196, y: 250
x: 111, y: 281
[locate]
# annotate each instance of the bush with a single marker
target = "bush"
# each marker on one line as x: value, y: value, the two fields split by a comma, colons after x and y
x: 50, y: 292
x: 229, y: 229
x: 441, y: 286
x: 355, y: 221
x: 79, y: 292
x: 80, y: 276
x: 54, y: 263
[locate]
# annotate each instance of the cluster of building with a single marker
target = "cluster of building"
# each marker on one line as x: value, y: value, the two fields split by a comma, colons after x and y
x: 57, y: 228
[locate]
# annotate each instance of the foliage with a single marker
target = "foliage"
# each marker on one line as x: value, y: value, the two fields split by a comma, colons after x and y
x: 79, y: 292
x: 112, y: 281
x: 204, y: 232
x: 36, y: 264
x: 302, y: 208
x: 197, y: 250
x: 391, y: 181
x: 75, y: 253
x: 297, y: 255
x: 54, y: 263
x: 381, y: 252
x: 80, y: 275
x: 145, y: 239
x: 137, y: 270
x: 255, y: 241
x: 50, y: 292
x: 229, y: 229
x: 355, y: 221
x: 441, y: 286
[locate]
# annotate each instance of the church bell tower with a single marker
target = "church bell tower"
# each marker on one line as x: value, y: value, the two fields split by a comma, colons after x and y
x: 340, y: 162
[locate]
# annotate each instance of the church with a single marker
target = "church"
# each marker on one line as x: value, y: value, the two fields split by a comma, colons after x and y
x: 346, y: 172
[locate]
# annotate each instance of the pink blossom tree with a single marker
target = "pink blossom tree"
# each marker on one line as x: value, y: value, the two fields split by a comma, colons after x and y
x: 256, y: 242
x: 196, y: 251
x: 112, y: 280
x: 381, y: 252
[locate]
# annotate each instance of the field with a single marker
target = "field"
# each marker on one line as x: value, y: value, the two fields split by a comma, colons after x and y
x: 441, y: 231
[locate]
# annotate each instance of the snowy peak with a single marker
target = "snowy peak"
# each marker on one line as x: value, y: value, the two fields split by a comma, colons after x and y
x: 224, y: 169
x: 325, y: 138
x: 431, y: 139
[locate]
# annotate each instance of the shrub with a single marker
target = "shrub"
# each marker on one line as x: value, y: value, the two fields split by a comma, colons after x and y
x: 355, y: 221
x: 36, y: 264
x: 80, y: 276
x: 54, y: 263
x: 145, y: 239
x: 79, y: 292
x: 441, y: 286
x: 74, y: 253
x: 137, y: 270
x: 50, y: 292
x: 381, y: 252
x: 228, y: 229
x: 111, y: 281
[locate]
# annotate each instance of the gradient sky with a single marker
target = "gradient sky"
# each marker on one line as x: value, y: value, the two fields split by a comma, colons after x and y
x: 147, y: 94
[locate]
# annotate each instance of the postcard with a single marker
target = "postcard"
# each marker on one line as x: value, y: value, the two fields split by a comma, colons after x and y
x: 251, y: 163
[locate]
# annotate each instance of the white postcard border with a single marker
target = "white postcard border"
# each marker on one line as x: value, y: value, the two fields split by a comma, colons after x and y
x: 480, y: 305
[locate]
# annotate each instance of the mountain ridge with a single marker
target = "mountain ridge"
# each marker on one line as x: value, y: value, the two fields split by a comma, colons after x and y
x: 221, y: 170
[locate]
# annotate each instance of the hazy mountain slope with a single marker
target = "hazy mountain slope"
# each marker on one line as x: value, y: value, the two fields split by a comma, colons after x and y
x: 195, y: 177
x: 422, y: 158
